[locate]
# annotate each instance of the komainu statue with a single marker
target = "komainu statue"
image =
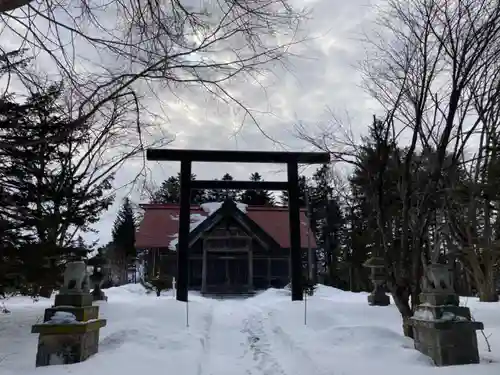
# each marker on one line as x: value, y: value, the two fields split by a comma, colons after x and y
x: 437, y: 278
x: 76, y: 278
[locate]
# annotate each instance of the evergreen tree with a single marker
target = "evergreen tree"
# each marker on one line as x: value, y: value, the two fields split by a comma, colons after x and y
x: 331, y: 240
x: 215, y: 195
x: 46, y: 195
x: 124, y: 228
x: 169, y: 192
x: 302, y: 193
x: 123, y: 235
x: 254, y: 197
x: 219, y: 195
x: 325, y: 220
x: 359, y: 243
x: 229, y: 193
x: 198, y: 196
x: 373, y: 185
x: 321, y: 193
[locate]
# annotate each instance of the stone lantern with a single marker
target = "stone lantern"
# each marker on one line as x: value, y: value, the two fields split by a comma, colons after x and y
x: 98, y: 265
x: 377, y: 297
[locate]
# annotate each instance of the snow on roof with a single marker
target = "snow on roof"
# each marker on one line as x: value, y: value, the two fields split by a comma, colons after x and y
x: 197, y: 219
x: 211, y: 207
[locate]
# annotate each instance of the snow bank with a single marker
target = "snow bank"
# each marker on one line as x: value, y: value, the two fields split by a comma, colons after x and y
x: 335, y: 332
x: 330, y: 292
x: 127, y: 289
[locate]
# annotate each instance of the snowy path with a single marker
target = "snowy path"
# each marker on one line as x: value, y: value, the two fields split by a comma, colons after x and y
x: 240, y: 337
x: 236, y: 341
x: 298, y: 352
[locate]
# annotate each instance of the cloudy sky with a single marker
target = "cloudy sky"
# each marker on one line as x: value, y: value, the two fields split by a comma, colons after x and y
x: 319, y: 82
x: 322, y: 81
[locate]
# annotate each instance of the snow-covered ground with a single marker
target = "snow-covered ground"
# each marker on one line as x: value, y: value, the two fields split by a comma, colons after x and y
x: 263, y: 335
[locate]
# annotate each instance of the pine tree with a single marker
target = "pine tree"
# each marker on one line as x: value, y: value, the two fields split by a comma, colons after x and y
x: 302, y: 193
x: 198, y: 196
x: 124, y: 228
x: 373, y: 184
x: 254, y: 197
x: 46, y: 197
x: 123, y: 235
x: 319, y: 198
x: 219, y: 195
x: 321, y: 193
x: 215, y: 195
x: 169, y: 192
x: 331, y: 237
x: 229, y: 193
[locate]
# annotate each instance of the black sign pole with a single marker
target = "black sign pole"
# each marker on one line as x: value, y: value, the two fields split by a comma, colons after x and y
x: 294, y: 222
x: 183, y: 239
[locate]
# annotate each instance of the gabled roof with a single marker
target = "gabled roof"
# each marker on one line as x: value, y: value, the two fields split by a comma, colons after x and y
x: 160, y: 224
x: 230, y: 209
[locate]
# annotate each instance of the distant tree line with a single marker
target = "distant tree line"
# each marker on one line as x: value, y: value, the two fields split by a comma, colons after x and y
x: 169, y: 192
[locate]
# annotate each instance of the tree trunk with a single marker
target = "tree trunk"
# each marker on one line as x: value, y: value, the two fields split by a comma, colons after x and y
x: 487, y: 291
x: 125, y: 273
x: 407, y: 328
x: 350, y: 278
x: 417, y: 273
x: 401, y: 296
x: 334, y: 274
x: 485, y: 282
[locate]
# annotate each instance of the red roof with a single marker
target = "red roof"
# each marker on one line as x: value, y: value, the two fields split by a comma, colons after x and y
x: 160, y: 224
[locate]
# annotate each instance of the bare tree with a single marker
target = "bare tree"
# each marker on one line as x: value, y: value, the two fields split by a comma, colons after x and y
x: 107, y: 50
x: 473, y: 216
x: 425, y: 80
x: 426, y: 59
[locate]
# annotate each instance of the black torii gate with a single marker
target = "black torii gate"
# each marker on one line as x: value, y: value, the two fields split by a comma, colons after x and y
x: 187, y: 157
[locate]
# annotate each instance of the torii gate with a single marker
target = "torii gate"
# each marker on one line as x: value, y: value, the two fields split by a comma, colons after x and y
x: 187, y: 157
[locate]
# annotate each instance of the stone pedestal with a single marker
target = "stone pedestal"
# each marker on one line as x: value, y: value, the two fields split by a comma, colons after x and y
x: 70, y: 331
x: 378, y: 297
x: 442, y: 329
x: 448, y: 343
x: 73, y: 300
x: 63, y: 344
